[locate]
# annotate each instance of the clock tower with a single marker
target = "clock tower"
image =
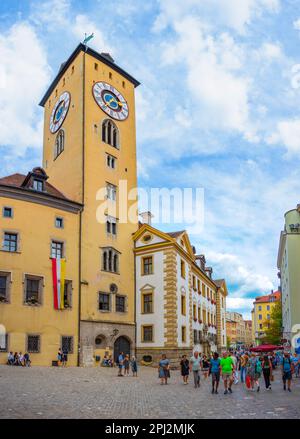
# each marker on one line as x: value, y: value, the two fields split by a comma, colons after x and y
x: 90, y: 149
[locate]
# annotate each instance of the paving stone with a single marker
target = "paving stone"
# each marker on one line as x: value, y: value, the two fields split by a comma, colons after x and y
x: 99, y: 393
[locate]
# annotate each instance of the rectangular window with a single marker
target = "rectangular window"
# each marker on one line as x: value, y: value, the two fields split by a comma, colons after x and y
x: 260, y: 326
x: 111, y: 192
x: 194, y: 283
x: 111, y: 161
x: 96, y: 66
x: 33, y: 289
x: 259, y: 308
x: 120, y: 303
x: 183, y: 306
x: 268, y: 307
x: 259, y: 317
x: 111, y: 225
x: 38, y: 185
x: 68, y: 294
x: 10, y: 243
x: 7, y: 212
x: 194, y: 311
x: 147, y: 303
x: 5, y: 279
x: 3, y: 342
x: 203, y: 290
x: 57, y: 249
x: 268, y: 316
x: 59, y: 222
x: 183, y: 334
x: 198, y: 286
x: 33, y: 343
x: 104, y: 302
x: 147, y: 265
x: 110, y: 260
x: 67, y: 344
x: 147, y: 333
x: 182, y: 268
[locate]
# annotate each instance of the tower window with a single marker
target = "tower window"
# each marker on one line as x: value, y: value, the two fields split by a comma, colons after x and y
x: 110, y: 75
x: 57, y: 249
x: 111, y: 225
x: 110, y: 260
x: 110, y: 133
x: 73, y: 68
x: 123, y: 84
x: 59, y: 222
x: 111, y: 161
x: 10, y: 243
x: 96, y: 66
x: 59, y: 143
x: 104, y: 302
x: 111, y: 191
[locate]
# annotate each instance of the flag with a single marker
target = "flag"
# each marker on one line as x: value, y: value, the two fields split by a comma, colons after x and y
x: 87, y: 39
x: 58, y: 277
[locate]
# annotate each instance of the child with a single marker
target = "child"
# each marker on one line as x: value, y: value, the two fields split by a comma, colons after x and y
x: 126, y: 365
x: 134, y: 366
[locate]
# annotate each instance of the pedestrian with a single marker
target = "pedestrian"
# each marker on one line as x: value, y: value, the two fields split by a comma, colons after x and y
x: 205, y: 366
x: 235, y: 373
x: 121, y: 364
x: 126, y: 365
x: 185, y: 369
x: 59, y: 356
x: 253, y: 372
x: 195, y: 365
x: 164, y: 369
x: 227, y: 367
x: 296, y: 362
x: 267, y: 371
x: 244, y: 360
x: 134, y: 367
x: 214, y: 370
x: 64, y: 357
x: 287, y: 370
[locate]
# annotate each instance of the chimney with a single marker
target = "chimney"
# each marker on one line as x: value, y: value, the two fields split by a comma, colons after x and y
x: 146, y: 217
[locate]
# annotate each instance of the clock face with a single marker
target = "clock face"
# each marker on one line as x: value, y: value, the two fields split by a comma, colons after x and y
x: 110, y: 100
x: 60, y: 112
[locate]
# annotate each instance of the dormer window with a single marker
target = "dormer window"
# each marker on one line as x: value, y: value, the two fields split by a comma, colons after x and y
x: 38, y: 185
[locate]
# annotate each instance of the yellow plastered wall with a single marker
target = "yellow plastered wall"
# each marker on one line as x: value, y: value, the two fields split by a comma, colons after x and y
x: 35, y: 225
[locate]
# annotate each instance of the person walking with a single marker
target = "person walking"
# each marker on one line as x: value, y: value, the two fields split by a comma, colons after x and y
x: 267, y: 371
x: 235, y: 373
x: 252, y: 372
x: 126, y: 365
x: 195, y: 366
x: 296, y: 363
x: 185, y: 369
x: 244, y: 360
x: 287, y: 370
x: 65, y: 357
x: 214, y: 370
x: 134, y: 367
x: 121, y: 364
x: 227, y: 367
x: 164, y: 369
x: 205, y: 366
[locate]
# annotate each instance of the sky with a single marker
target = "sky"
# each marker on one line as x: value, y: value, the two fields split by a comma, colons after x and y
x: 217, y: 108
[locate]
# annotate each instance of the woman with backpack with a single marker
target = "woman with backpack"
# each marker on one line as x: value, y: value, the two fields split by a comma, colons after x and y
x: 287, y: 370
x: 254, y: 371
x: 267, y: 370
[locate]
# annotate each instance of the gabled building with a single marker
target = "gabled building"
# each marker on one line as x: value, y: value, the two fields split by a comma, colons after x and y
x: 176, y: 297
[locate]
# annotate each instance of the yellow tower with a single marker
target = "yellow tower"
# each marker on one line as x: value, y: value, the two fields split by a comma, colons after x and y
x: 90, y: 154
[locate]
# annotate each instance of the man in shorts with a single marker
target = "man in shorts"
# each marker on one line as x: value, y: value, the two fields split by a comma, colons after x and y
x: 227, y: 367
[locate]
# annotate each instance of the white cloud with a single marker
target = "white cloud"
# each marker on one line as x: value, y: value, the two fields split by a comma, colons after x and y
x: 235, y: 14
x: 241, y: 305
x: 24, y: 76
x: 288, y: 135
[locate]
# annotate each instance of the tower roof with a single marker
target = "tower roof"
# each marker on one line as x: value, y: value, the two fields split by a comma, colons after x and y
x: 103, y: 57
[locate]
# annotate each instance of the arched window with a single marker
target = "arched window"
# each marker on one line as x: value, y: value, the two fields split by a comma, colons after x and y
x: 110, y: 260
x: 59, y: 143
x: 110, y: 133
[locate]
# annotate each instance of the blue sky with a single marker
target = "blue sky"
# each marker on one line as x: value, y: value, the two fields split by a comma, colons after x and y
x: 218, y: 108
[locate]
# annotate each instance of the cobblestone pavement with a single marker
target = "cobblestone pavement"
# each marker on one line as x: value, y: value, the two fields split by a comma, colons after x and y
x: 38, y: 392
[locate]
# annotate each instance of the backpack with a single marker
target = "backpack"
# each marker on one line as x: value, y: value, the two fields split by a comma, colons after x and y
x: 285, y: 362
x: 258, y: 367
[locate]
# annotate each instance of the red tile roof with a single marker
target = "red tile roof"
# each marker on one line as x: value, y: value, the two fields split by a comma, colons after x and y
x: 16, y: 180
x: 264, y: 299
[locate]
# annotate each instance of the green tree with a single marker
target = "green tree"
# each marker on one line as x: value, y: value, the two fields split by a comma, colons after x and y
x: 273, y: 333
